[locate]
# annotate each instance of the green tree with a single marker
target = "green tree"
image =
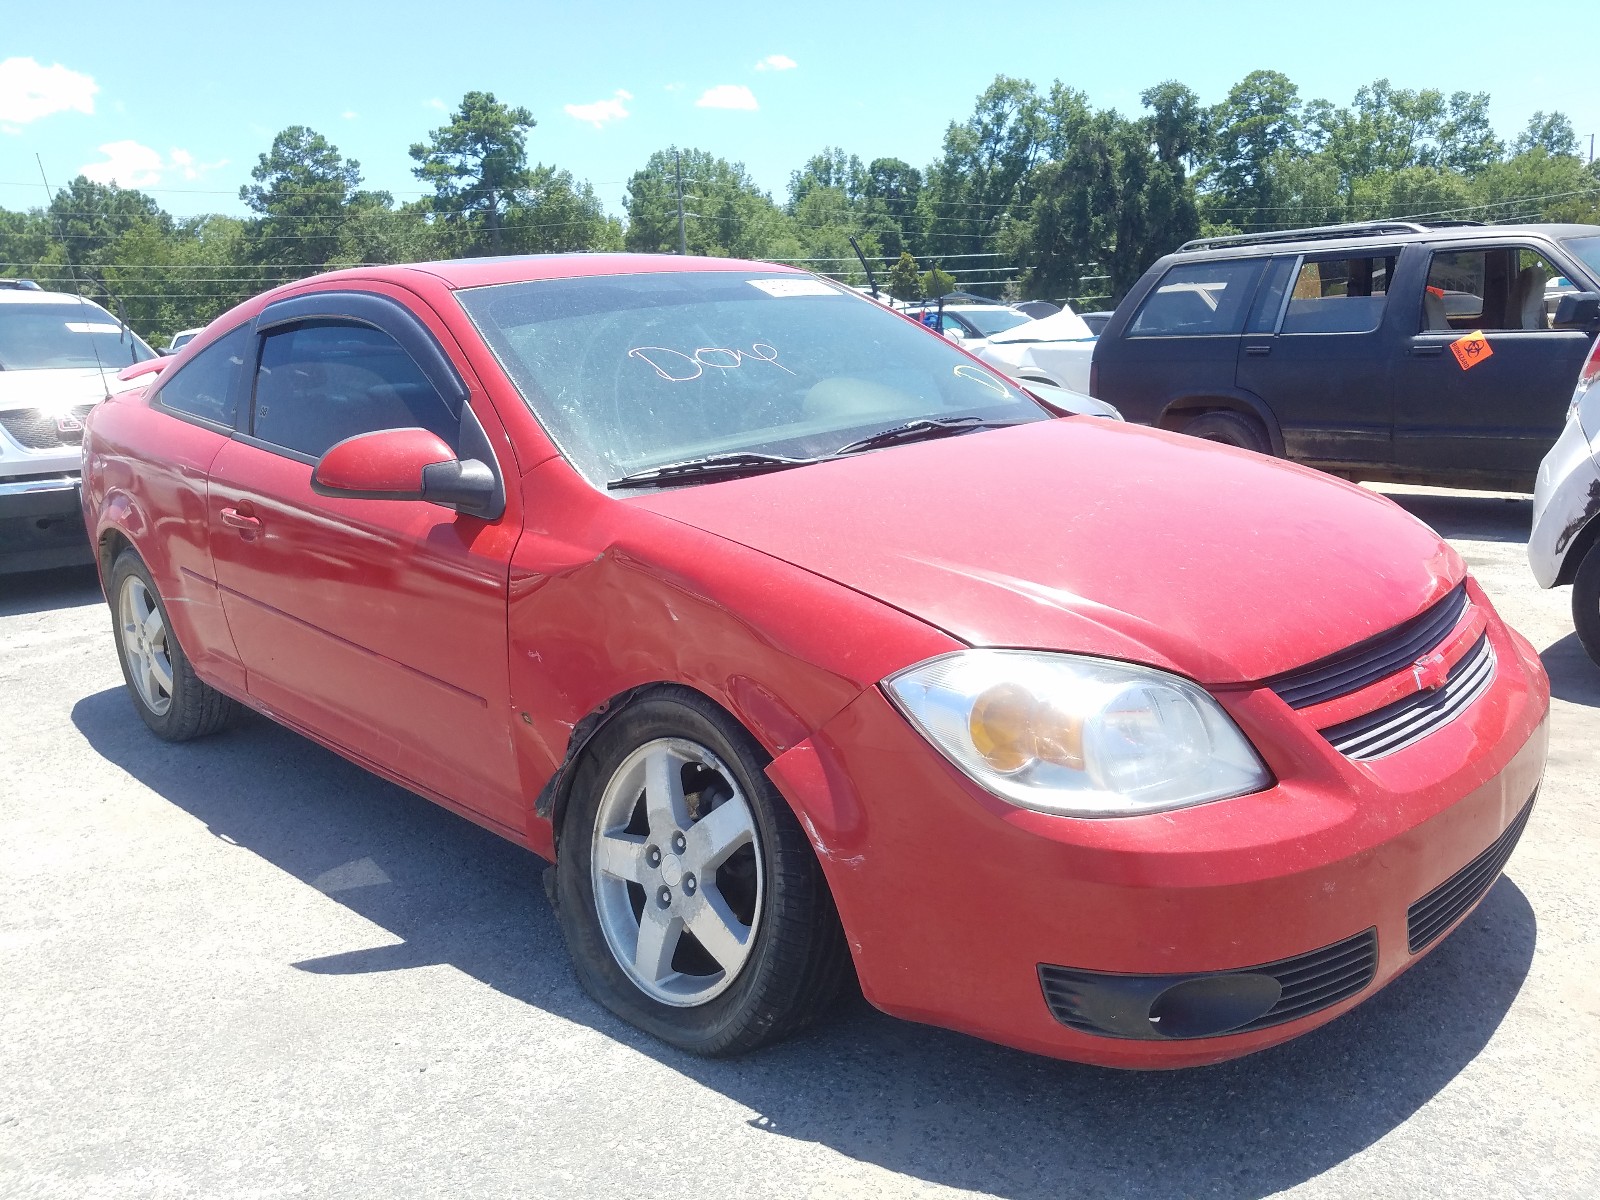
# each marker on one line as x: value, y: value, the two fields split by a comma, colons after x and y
x: 904, y: 283
x: 891, y: 189
x: 301, y: 191
x: 726, y: 213
x: 1550, y: 132
x: 1259, y: 120
x: 937, y: 282
x: 477, y: 166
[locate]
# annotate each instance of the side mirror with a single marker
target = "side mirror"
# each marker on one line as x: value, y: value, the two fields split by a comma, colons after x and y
x: 1578, y: 310
x: 406, y: 464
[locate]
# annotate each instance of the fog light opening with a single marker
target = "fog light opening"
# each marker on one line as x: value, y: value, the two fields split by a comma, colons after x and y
x: 1213, y: 1004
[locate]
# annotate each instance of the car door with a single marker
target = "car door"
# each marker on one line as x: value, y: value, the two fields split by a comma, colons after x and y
x: 379, y: 625
x: 1488, y: 407
x: 1317, y: 354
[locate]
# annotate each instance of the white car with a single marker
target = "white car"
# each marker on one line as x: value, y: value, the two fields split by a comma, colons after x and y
x: 181, y: 339
x: 1055, y: 350
x: 59, y: 356
x: 970, y: 325
x: 1564, y: 546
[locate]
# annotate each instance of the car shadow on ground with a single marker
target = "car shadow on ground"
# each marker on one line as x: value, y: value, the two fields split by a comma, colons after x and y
x: 1574, y: 676
x: 39, y: 591
x: 918, y: 1101
x: 1478, y: 517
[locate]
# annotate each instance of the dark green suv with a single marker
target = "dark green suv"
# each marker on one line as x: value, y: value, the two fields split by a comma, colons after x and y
x: 1397, y: 350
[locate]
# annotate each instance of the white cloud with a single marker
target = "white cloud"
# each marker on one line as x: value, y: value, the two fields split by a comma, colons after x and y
x: 436, y: 103
x: 349, y: 115
x: 127, y: 164
x: 29, y: 91
x: 131, y: 164
x: 728, y: 95
x: 777, y: 62
x: 601, y: 111
x: 184, y: 163
x: 673, y: 87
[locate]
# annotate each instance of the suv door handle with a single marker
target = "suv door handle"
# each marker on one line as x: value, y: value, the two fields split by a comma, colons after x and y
x: 244, y: 521
x: 1425, y: 351
x: 1258, y: 351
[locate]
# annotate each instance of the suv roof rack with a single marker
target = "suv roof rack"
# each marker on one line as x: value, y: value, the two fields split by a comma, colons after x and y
x: 20, y: 285
x: 1356, y: 229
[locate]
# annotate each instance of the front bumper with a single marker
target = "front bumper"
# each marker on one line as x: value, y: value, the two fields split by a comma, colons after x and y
x: 1566, y: 497
x: 953, y: 900
x: 41, y: 524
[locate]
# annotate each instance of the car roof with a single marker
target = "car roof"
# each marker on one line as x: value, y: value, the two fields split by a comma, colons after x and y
x: 521, y: 268
x: 1354, y: 239
x: 27, y: 296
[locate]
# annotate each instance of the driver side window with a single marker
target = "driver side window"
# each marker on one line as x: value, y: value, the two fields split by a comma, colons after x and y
x: 322, y: 382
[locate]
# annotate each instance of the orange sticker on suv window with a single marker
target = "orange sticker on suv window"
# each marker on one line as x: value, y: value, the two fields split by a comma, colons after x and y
x: 1471, y: 350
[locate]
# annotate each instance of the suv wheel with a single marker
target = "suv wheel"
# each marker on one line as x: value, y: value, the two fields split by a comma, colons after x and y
x: 1231, y: 429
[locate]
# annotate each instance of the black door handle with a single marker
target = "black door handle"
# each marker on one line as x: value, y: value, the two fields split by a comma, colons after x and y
x: 1260, y: 351
x: 1425, y: 351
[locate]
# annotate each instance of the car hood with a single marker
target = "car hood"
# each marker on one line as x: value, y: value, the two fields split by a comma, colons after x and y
x: 1084, y: 535
x: 62, y: 387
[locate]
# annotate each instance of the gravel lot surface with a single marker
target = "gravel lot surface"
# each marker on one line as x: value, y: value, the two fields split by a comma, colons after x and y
x: 244, y: 967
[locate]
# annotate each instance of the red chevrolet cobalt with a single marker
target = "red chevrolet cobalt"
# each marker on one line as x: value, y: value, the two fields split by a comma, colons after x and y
x: 805, y: 644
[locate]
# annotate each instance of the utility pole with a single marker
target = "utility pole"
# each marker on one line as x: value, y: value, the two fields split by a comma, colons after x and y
x: 677, y: 170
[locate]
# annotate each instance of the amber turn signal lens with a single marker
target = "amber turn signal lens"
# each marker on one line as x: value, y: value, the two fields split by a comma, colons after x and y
x: 1001, y: 726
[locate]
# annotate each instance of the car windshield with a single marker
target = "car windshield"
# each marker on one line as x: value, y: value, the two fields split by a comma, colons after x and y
x: 991, y: 321
x: 1586, y: 248
x: 632, y: 372
x: 37, y: 337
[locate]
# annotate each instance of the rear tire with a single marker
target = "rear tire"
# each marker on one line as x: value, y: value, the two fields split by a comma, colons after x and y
x: 716, y: 934
x: 1231, y: 429
x: 166, y: 693
x: 1586, y: 602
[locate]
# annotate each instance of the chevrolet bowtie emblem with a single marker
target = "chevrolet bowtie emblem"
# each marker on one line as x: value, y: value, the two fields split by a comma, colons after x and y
x: 67, y: 423
x: 1430, y: 672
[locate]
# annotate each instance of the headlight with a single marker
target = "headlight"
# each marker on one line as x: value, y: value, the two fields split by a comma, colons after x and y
x: 1082, y: 737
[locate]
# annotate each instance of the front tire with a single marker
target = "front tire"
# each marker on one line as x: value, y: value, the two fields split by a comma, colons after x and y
x: 1586, y: 602
x: 689, y: 897
x: 166, y: 693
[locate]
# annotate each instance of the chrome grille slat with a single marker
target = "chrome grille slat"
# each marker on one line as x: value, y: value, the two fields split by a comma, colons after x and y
x: 1367, y: 662
x: 1405, y: 722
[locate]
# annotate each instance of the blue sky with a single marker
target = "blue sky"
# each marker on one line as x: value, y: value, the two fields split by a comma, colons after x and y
x: 187, y: 95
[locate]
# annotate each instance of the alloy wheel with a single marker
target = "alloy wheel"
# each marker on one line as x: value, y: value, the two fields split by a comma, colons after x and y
x: 145, y: 645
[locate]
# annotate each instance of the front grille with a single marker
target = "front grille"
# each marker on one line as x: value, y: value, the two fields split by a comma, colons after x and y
x: 35, y: 429
x: 1374, y: 659
x: 1092, y: 1002
x: 1398, y: 725
x: 1439, y: 909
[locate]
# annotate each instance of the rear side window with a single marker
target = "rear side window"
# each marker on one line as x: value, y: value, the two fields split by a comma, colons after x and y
x: 1199, y: 298
x: 203, y: 386
x: 1505, y: 288
x: 324, y: 381
x: 1340, y: 295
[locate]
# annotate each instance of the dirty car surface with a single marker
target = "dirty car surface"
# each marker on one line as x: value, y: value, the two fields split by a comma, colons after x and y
x: 768, y: 615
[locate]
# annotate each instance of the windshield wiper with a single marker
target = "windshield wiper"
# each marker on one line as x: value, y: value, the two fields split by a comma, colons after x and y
x: 710, y: 467
x: 921, y: 430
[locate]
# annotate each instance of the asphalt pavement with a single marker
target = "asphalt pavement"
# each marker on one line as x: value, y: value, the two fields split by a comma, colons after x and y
x: 246, y: 968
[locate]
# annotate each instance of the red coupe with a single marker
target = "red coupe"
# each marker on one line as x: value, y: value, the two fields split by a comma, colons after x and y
x: 805, y: 644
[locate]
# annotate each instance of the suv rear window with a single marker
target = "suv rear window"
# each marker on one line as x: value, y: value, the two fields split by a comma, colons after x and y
x: 1342, y: 295
x: 1199, y: 298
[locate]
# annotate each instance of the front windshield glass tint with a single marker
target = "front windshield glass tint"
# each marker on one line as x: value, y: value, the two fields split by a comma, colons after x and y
x: 990, y: 321
x: 630, y: 372
x: 1586, y: 248
x: 40, y: 337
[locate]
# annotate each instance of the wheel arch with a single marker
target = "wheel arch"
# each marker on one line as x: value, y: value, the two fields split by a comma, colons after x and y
x: 1179, y: 412
x: 1577, y: 550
